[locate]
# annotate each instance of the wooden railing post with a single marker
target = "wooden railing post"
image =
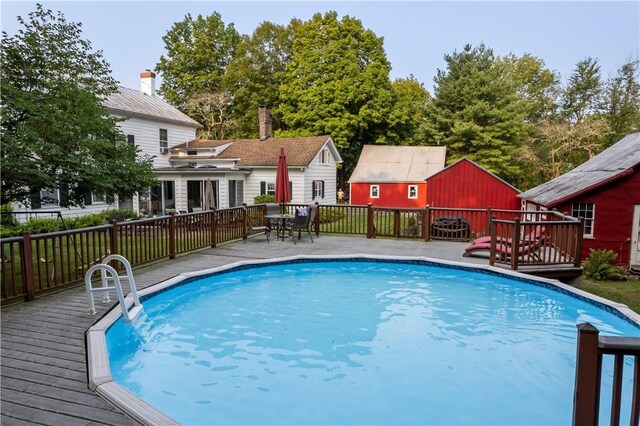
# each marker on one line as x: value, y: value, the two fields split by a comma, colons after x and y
x: 370, y: 233
x: 494, y: 241
x: 577, y: 260
x: 396, y: 223
x: 316, y: 220
x: 214, y: 227
x: 586, y: 397
x: 113, y: 237
x: 172, y: 236
x: 487, y: 229
x: 27, y: 267
x: 515, y: 244
x: 426, y: 225
x: 245, y: 231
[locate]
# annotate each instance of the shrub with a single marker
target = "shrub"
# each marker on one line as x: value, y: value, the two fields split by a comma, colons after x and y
x: 119, y: 215
x: 263, y: 199
x: 6, y: 218
x: 42, y: 226
x: 599, y: 266
x: 328, y: 215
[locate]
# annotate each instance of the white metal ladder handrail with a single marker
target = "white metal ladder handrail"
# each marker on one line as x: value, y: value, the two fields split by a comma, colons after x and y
x: 109, y: 274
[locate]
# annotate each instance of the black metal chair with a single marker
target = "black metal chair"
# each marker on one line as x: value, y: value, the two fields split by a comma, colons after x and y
x: 302, y: 222
x: 255, y: 229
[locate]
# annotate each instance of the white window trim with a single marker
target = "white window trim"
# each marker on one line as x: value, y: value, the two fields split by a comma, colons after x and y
x: 415, y: 187
x: 593, y: 221
x: 324, y: 157
x: 371, y: 187
x: 271, y: 188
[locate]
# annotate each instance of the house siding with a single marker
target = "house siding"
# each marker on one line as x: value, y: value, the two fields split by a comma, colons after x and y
x: 391, y: 194
x: 323, y: 172
x: 613, y: 219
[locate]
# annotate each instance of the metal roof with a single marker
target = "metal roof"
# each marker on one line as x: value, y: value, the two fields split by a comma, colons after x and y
x: 383, y: 163
x: 130, y: 102
x: 616, y: 161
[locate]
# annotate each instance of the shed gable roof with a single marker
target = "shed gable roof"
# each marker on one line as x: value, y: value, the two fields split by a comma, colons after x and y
x: 300, y: 152
x: 478, y: 166
x: 614, y: 162
x: 383, y: 163
x: 130, y: 102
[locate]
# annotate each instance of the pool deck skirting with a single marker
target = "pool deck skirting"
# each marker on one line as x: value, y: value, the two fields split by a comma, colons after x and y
x: 44, y: 374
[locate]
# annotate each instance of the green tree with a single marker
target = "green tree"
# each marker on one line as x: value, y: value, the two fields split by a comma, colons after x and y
x: 407, y: 119
x: 583, y: 94
x: 539, y: 86
x: 255, y: 74
x: 55, y: 131
x: 337, y: 83
x: 198, y: 51
x: 622, y: 102
x: 477, y: 112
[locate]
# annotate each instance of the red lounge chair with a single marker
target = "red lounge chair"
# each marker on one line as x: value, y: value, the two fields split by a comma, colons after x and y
x: 534, y: 234
x: 505, y: 250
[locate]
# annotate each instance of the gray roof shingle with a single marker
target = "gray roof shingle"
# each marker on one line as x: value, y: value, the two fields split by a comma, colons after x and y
x: 613, y: 162
x: 130, y: 102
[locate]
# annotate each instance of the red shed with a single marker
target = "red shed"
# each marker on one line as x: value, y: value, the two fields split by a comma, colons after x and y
x: 393, y: 176
x: 605, y: 191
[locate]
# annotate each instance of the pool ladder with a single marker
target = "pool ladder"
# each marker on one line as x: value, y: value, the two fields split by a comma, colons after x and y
x: 109, y: 275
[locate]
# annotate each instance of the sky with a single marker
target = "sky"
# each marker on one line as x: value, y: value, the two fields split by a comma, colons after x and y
x: 417, y: 34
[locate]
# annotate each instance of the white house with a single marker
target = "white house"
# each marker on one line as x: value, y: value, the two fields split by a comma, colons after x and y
x: 241, y: 169
x: 238, y: 169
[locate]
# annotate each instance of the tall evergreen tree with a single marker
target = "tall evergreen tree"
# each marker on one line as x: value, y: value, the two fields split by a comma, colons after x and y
x: 622, y: 102
x: 55, y: 132
x: 583, y: 93
x: 198, y: 51
x: 337, y: 83
x: 477, y: 112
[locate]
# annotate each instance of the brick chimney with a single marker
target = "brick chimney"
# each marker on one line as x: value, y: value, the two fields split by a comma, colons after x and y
x: 264, y: 121
x: 148, y: 83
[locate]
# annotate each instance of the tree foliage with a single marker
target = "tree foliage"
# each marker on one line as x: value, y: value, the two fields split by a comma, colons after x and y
x: 198, y: 51
x: 407, y: 118
x: 337, y: 83
x: 256, y: 72
x: 622, y: 102
x: 582, y: 96
x: 477, y: 112
x: 55, y: 131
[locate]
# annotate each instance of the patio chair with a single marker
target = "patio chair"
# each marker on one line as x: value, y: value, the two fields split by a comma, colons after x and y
x: 255, y: 228
x: 302, y: 222
x: 535, y: 233
x: 273, y: 208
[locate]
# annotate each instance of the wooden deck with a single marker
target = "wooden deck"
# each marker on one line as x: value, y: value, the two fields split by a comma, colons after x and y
x: 43, y: 370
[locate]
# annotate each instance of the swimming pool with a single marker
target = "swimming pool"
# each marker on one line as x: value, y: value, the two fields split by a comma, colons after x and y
x: 357, y: 342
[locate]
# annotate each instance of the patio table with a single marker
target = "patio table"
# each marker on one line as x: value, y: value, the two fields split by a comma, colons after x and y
x: 281, y: 221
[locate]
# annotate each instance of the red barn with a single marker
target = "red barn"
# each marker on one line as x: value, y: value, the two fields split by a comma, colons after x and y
x: 465, y: 184
x: 605, y: 191
x: 393, y: 176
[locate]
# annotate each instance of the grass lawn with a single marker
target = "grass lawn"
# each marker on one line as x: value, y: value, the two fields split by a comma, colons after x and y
x: 627, y: 292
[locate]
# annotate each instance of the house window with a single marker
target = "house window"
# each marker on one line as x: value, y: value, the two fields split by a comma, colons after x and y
x: 324, y: 157
x: 236, y: 193
x: 50, y: 197
x: 317, y: 189
x: 192, y: 152
x: 271, y: 188
x: 413, y: 192
x: 587, y: 211
x: 131, y: 140
x: 374, y: 191
x: 169, y: 194
x: 97, y: 198
x: 164, y: 141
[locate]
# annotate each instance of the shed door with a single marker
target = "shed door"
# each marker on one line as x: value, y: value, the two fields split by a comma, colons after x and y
x: 635, y: 237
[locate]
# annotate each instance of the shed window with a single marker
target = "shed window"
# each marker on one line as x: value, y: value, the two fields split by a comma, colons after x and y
x: 586, y: 211
x: 317, y: 189
x: 413, y: 192
x: 324, y: 157
x: 374, y: 191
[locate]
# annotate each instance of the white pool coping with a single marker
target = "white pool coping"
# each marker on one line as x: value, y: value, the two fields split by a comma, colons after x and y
x: 99, y: 372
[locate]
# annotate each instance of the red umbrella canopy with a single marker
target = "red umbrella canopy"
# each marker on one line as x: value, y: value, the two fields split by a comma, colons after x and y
x: 283, y: 194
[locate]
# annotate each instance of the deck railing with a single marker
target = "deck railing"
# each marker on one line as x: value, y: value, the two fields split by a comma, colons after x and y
x: 35, y: 264
x: 591, y: 349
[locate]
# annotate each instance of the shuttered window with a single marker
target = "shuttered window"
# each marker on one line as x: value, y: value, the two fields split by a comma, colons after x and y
x: 317, y: 189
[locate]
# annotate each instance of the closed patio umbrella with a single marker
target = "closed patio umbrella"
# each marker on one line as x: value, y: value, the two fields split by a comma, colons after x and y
x: 209, y: 199
x: 283, y: 194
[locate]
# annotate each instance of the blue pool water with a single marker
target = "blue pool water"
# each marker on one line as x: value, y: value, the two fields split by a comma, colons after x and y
x: 357, y: 343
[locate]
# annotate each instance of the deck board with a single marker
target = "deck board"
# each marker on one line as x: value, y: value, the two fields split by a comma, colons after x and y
x: 44, y: 379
